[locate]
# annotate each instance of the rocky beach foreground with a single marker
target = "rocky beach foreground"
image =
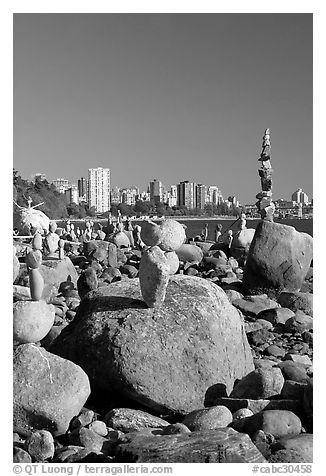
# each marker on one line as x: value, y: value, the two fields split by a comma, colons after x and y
x: 144, y: 345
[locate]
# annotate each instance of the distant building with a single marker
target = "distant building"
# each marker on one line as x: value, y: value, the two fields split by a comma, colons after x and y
x: 82, y: 189
x: 61, y: 184
x: 129, y: 195
x: 214, y: 195
x: 299, y: 196
x: 156, y: 191
x: 115, y: 195
x: 71, y: 194
x: 99, y: 189
x: 187, y: 194
x: 201, y: 192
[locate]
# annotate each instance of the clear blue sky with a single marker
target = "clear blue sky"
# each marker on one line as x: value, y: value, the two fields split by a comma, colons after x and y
x: 166, y: 96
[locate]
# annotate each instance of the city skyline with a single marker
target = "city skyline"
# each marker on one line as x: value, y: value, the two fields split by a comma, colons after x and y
x: 167, y: 96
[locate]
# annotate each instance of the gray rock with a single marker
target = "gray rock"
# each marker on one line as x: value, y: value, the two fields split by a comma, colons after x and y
x: 197, y: 331
x: 213, y: 446
x: 276, y: 422
x: 88, y: 439
x: 87, y: 281
x: 260, y: 384
x: 300, y: 322
x: 190, y: 254
x: 302, y: 443
x: 20, y: 455
x: 297, y: 301
x: 151, y: 233
x: 32, y: 320
x: 154, y: 274
x: 294, y: 371
x: 208, y: 418
x: 251, y: 306
x: 127, y: 420
x: 40, y: 445
x: 48, y: 391
x: 276, y: 316
x: 293, y: 390
x: 279, y: 258
x: 173, y: 235
x: 175, y: 429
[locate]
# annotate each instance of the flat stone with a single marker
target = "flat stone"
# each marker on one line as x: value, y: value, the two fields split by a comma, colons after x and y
x: 276, y: 316
x: 208, y: 418
x: 212, y: 446
x: 252, y: 306
x: 127, y: 420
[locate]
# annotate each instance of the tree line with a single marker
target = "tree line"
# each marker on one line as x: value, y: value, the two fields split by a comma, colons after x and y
x: 56, y: 207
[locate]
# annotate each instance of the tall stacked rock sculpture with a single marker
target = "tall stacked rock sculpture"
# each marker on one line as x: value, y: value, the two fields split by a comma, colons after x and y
x: 160, y: 260
x: 51, y: 241
x: 265, y: 205
x: 32, y: 320
x: 279, y: 257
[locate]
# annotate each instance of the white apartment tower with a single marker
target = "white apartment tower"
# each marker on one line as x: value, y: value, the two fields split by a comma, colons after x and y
x: 99, y: 189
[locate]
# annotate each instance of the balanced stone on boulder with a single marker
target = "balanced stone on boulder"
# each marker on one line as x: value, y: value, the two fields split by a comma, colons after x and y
x: 169, y: 358
x: 154, y: 271
x: 32, y: 320
x: 279, y: 258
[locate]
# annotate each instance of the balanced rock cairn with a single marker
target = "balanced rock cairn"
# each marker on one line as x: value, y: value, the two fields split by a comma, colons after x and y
x: 265, y: 205
x: 159, y: 260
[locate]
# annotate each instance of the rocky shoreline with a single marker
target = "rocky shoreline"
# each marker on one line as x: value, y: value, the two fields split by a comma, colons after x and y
x: 221, y: 371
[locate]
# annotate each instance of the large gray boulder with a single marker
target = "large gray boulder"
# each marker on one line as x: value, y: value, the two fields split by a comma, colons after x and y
x: 48, y: 391
x: 279, y: 258
x: 167, y: 359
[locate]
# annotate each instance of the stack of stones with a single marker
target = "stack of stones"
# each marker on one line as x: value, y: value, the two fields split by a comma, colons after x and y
x: 33, y: 318
x: 265, y: 205
x: 160, y: 260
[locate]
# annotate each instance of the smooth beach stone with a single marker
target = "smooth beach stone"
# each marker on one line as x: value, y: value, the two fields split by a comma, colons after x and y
x: 87, y: 438
x: 276, y: 422
x: 129, y: 270
x: 300, y: 322
x: 34, y: 259
x: 285, y: 264
x: 37, y: 241
x: 32, y: 320
x: 85, y: 418
x: 151, y: 233
x: 277, y: 315
x: 176, y: 429
x: 262, y: 383
x: 99, y: 427
x: 233, y: 295
x: 208, y: 418
x: 20, y: 455
x: 297, y: 301
x: 40, y: 445
x: 51, y: 244
x: 299, y: 359
x: 252, y: 305
x: 242, y: 413
x: 36, y: 284
x: 128, y: 420
x: 48, y: 391
x: 172, y: 261
x: 190, y: 254
x: 121, y: 240
x: 154, y: 274
x: 173, y: 235
x: 293, y: 371
x: 302, y: 443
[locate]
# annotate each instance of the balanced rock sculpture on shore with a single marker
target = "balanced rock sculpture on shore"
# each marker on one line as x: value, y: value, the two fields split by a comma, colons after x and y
x: 160, y: 260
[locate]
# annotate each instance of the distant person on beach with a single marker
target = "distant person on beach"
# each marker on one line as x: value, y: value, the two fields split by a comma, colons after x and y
x: 218, y: 232
x: 204, y: 233
x: 229, y: 242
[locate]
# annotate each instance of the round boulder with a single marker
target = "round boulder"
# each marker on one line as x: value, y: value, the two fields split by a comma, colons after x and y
x: 32, y: 320
x: 124, y: 346
x: 173, y: 235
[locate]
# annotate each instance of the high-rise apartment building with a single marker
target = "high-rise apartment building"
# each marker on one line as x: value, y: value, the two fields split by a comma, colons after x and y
x: 201, y: 191
x: 299, y: 196
x: 156, y: 191
x: 99, y: 189
x: 82, y: 189
x: 187, y: 194
x: 214, y: 195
